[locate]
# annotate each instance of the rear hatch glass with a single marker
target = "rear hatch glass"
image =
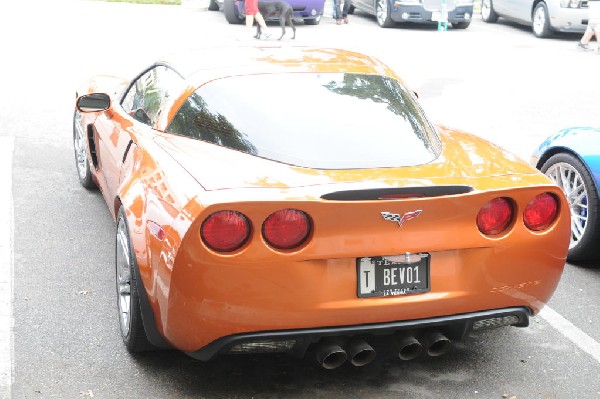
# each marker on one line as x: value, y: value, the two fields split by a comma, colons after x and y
x: 313, y: 120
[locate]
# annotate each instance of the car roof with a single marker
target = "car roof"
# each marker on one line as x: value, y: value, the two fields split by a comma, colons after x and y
x: 201, y: 65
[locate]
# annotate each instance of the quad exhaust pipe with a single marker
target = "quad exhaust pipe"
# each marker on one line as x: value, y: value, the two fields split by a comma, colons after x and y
x: 331, y: 353
x: 434, y: 343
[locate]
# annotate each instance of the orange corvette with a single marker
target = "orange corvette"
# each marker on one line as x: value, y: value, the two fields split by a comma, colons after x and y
x: 298, y: 200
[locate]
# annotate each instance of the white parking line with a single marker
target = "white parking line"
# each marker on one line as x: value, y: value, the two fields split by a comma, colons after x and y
x: 569, y: 330
x: 6, y: 265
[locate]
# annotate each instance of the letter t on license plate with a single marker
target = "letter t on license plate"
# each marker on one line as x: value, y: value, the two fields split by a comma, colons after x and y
x: 392, y: 275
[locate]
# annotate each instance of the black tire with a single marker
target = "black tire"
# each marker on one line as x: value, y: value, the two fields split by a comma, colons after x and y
x: 575, y: 179
x: 383, y: 13
x: 213, y: 6
x: 540, y: 22
x: 461, y: 25
x: 487, y: 11
x: 351, y: 10
x: 312, y: 21
x: 80, y: 145
x: 231, y: 12
x: 131, y: 324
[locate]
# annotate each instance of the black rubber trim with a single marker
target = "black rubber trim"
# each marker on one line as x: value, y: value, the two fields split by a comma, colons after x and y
x: 460, y: 325
x: 126, y: 151
x: 148, y: 319
x: 374, y: 194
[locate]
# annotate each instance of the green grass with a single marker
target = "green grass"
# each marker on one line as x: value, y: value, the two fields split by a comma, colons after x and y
x: 168, y: 2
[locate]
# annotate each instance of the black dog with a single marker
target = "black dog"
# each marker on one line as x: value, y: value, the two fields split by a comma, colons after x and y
x: 279, y: 9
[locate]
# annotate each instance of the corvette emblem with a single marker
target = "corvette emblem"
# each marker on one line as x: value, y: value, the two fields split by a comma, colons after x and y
x: 396, y: 217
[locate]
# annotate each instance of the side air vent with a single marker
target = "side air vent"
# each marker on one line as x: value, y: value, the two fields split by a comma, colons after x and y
x: 92, y: 146
x: 396, y: 193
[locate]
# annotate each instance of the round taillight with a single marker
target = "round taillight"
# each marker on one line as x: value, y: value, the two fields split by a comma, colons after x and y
x: 225, y: 231
x: 540, y: 212
x: 495, y: 216
x: 286, y: 229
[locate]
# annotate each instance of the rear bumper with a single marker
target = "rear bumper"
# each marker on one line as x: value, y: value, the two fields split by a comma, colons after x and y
x: 297, y: 342
x: 418, y: 14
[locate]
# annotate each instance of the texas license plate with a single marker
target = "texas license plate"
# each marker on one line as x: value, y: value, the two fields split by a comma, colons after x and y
x: 393, y: 275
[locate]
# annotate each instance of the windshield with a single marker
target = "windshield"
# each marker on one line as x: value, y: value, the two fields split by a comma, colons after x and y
x: 316, y: 120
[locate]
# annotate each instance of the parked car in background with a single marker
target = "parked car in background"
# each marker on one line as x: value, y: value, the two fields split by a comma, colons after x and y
x: 310, y: 11
x: 388, y: 12
x: 571, y: 158
x: 544, y: 16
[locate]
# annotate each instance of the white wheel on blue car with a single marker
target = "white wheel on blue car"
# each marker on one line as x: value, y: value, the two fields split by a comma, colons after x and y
x: 569, y: 173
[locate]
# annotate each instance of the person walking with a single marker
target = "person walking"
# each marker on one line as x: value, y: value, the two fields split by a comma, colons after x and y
x: 253, y: 13
x: 341, y: 14
x: 593, y: 27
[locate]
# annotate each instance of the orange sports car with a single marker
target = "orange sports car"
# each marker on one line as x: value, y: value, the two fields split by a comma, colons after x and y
x: 298, y: 200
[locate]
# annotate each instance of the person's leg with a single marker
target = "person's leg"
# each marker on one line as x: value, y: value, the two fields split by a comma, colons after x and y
x: 585, y: 39
x: 347, y: 4
x: 249, y: 22
x: 263, y: 26
x: 249, y: 25
x: 337, y: 11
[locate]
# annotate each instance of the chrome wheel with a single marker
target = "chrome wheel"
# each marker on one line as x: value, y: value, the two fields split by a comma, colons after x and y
x: 82, y: 164
x: 123, y: 266
x: 382, y: 13
x: 485, y: 9
x: 80, y: 147
x: 539, y: 21
x: 572, y: 183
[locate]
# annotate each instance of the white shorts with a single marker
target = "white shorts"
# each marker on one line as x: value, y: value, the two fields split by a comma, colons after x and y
x: 594, y: 24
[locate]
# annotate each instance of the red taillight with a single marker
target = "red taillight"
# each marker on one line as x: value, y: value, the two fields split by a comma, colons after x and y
x: 225, y: 231
x: 540, y: 212
x: 286, y: 229
x: 495, y: 216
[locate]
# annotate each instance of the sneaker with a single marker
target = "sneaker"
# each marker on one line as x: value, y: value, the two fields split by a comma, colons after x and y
x: 265, y: 35
x: 584, y: 47
x: 346, y: 20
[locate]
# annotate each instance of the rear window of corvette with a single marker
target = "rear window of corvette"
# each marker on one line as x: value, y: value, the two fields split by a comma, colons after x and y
x: 314, y: 120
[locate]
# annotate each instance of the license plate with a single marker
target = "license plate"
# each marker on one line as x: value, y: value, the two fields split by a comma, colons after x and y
x: 393, y: 275
x: 439, y: 16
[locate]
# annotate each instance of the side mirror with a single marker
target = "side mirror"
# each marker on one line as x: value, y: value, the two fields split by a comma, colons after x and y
x: 93, y: 102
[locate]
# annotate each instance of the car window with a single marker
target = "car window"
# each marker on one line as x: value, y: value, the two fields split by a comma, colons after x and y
x: 317, y: 120
x: 147, y: 95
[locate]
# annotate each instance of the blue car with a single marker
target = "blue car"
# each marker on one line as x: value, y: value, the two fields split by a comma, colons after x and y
x: 571, y: 158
